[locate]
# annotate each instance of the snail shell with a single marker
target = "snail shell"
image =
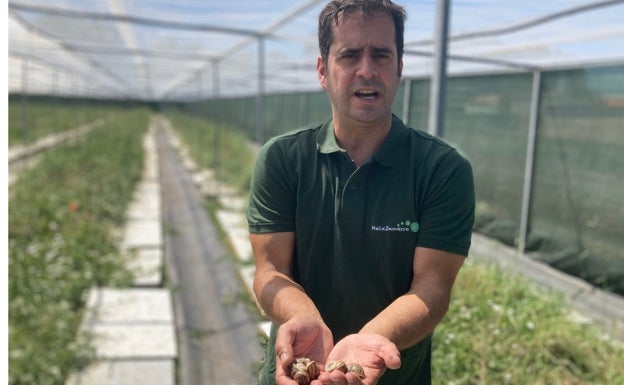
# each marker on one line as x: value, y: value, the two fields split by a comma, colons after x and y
x: 336, y: 365
x: 343, y: 367
x: 304, y: 370
x: 356, y: 368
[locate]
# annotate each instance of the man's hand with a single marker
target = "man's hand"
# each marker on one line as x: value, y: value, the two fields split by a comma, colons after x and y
x: 375, y: 353
x: 300, y: 337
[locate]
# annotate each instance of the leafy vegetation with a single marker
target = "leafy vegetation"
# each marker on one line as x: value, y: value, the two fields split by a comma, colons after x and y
x: 221, y: 148
x: 62, y: 217
x: 33, y: 118
x: 502, y: 329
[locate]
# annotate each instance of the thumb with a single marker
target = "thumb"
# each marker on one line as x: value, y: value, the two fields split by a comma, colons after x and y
x: 391, y: 356
x: 283, y: 349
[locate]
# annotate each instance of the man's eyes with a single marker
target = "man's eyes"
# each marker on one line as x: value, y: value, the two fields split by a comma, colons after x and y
x: 349, y: 55
x: 376, y: 56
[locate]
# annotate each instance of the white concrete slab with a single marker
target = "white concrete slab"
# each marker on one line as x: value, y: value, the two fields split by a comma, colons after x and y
x: 116, y: 306
x: 142, y: 234
x: 131, y: 323
x: 146, y: 266
x: 209, y: 188
x: 147, y: 209
x: 233, y: 202
x: 149, y: 372
x: 135, y: 341
x: 265, y: 327
x: 239, y: 238
x: 203, y: 176
x: 247, y: 275
x: 150, y: 164
x: 234, y: 224
x: 189, y: 163
x: 146, y: 186
x: 146, y: 203
x: 231, y: 219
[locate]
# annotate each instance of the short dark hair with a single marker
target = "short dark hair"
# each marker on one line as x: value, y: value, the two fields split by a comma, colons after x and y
x: 331, y: 14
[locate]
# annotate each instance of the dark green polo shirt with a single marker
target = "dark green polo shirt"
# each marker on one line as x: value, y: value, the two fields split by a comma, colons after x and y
x: 356, y: 228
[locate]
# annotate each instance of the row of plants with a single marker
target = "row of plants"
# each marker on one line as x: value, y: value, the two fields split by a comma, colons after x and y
x: 63, y: 217
x: 32, y: 117
x: 503, y: 329
x: 500, y: 329
x: 220, y: 147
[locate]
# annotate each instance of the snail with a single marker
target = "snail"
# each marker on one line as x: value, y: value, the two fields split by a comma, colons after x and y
x: 304, y: 370
x: 336, y: 365
x: 343, y: 367
x: 356, y: 368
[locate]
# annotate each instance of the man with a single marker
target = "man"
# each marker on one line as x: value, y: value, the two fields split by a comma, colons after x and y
x: 359, y: 226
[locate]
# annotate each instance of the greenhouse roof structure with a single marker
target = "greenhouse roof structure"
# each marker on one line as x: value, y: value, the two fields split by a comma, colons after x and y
x: 181, y: 50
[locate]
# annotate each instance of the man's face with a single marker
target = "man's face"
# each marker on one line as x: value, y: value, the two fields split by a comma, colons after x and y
x: 362, y: 74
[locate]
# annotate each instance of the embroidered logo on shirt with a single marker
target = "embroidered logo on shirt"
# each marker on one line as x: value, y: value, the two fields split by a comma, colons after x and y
x: 402, y: 227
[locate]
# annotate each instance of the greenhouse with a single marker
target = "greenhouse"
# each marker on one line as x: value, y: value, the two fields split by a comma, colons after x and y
x: 133, y: 128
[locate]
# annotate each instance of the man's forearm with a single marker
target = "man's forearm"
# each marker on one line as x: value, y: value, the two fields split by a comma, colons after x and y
x: 410, y: 318
x: 281, y: 298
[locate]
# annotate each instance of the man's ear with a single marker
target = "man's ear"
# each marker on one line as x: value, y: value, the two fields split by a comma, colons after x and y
x: 400, y: 68
x: 321, y: 70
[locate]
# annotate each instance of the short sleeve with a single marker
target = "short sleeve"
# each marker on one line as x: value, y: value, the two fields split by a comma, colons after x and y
x: 272, y: 196
x: 447, y: 213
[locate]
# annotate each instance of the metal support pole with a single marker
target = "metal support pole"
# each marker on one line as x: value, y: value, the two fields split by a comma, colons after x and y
x: 530, y: 159
x: 216, y: 121
x: 407, y: 94
x: 197, y: 123
x: 260, y: 98
x: 304, y: 107
x: 24, y: 113
x: 438, y: 78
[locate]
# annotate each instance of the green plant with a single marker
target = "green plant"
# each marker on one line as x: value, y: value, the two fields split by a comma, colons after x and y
x: 62, y: 214
x: 220, y: 147
x: 32, y: 118
x: 502, y: 329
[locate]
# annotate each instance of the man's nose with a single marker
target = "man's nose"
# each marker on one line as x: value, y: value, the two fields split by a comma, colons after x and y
x: 367, y: 68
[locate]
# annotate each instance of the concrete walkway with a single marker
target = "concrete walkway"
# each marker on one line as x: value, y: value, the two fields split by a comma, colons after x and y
x: 217, y: 332
x: 133, y: 328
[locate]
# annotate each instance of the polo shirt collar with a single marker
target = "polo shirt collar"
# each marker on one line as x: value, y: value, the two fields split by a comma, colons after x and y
x: 326, y: 140
x: 388, y: 153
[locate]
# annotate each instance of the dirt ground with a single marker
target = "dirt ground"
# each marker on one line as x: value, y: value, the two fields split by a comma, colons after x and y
x: 218, y: 339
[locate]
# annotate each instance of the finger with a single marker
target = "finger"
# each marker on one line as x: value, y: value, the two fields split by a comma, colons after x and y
x: 391, y: 356
x: 337, y: 377
x: 353, y: 379
x: 282, y: 371
x: 284, y: 349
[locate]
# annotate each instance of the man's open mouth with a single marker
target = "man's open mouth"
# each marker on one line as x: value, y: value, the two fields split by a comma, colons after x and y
x: 366, y: 94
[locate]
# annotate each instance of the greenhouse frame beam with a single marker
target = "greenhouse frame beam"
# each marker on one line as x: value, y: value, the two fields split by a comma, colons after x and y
x: 525, y: 24
x: 134, y: 20
x: 437, y: 87
x: 66, y: 69
x: 157, y: 54
x: 267, y: 33
x: 474, y: 59
x: 69, y: 48
x: 261, y: 91
x: 529, y: 161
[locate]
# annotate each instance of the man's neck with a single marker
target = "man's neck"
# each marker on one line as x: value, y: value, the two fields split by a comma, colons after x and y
x: 361, y: 141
